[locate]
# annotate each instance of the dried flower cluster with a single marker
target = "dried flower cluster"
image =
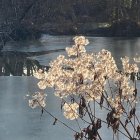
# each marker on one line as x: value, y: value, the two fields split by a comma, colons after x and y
x: 70, y: 111
x: 85, y: 76
x: 37, y: 100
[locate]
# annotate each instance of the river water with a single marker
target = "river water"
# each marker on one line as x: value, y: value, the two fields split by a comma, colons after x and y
x: 17, y: 120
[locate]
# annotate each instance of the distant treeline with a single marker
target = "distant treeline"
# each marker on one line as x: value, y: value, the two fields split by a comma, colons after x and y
x: 27, y: 17
x: 42, y: 11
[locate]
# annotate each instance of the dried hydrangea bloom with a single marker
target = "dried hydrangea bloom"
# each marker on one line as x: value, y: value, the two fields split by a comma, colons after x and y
x: 70, y: 111
x: 81, y: 40
x: 38, y: 100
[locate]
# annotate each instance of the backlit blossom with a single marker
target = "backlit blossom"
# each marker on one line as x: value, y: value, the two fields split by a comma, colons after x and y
x: 40, y: 74
x: 81, y: 40
x: 42, y: 84
x: 70, y: 111
x: 129, y: 68
x: 37, y: 100
x: 87, y: 75
x: 106, y: 63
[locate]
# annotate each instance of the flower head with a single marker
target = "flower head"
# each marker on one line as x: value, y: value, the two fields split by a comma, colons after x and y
x: 70, y: 111
x: 38, y: 99
x: 39, y: 74
x: 81, y: 40
x: 129, y: 68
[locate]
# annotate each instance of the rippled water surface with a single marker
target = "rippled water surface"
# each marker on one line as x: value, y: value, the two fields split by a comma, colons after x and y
x: 17, y: 120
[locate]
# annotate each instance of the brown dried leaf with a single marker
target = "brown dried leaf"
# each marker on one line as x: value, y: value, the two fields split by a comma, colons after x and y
x: 62, y: 104
x: 98, y: 124
x: 132, y: 76
x: 138, y: 131
x: 132, y: 113
x: 126, y: 122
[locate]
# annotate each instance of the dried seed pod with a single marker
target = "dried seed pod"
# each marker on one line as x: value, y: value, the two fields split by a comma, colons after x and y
x: 126, y: 122
x: 80, y: 78
x: 120, y: 91
x: 132, y: 76
x: 82, y: 105
x: 98, y: 124
x: 109, y: 117
x: 72, y: 99
x: 132, y: 113
x: 113, y: 122
x: 115, y: 125
x: 77, y: 136
x: 138, y: 131
x: 83, y: 102
x: 95, y: 76
x: 62, y: 104
x: 81, y: 135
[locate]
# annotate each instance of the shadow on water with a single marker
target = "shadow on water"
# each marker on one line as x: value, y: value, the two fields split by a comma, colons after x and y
x: 19, y: 64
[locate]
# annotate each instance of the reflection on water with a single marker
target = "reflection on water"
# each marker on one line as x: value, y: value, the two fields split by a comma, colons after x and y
x: 17, y: 65
x: 119, y: 47
x: 20, y: 63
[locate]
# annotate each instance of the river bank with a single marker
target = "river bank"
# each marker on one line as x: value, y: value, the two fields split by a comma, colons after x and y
x: 124, y: 28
